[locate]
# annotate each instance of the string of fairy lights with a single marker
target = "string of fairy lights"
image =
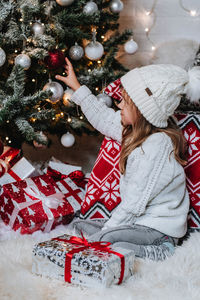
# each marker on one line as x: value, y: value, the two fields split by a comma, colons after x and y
x: 152, y: 13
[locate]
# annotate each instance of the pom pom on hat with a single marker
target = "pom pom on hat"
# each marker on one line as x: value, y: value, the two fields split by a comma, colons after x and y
x: 192, y: 88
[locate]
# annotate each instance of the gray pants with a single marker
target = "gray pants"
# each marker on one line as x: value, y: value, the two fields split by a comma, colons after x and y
x: 144, y: 241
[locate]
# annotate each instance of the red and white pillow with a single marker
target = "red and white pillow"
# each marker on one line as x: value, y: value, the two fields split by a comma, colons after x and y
x: 103, y: 195
x: 190, y: 125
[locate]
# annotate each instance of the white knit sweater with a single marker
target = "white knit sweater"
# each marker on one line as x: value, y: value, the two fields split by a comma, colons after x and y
x: 153, y: 188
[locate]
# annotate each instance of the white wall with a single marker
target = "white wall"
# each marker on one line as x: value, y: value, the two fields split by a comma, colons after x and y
x: 172, y: 23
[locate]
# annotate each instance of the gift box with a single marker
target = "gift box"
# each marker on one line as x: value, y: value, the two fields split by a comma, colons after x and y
x: 73, y: 194
x: 59, y: 170
x: 8, y: 158
x: 75, y: 260
x: 20, y: 170
x: 34, y: 204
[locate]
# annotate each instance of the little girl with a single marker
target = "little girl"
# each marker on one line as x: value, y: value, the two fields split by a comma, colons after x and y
x: 152, y: 215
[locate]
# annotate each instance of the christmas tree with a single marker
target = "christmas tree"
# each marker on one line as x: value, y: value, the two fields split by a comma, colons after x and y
x: 35, y: 37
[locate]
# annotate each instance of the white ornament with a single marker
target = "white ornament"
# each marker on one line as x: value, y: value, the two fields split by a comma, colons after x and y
x: 23, y: 60
x: 116, y: 6
x: 90, y: 8
x: 105, y: 99
x: 130, y: 46
x: 38, y: 28
x: 64, y: 2
x: 56, y: 89
x: 67, y: 139
x: 67, y: 96
x: 76, y: 52
x: 2, y: 57
x: 94, y: 50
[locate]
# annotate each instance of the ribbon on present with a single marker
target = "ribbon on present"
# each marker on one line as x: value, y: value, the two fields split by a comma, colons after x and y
x: 84, y: 244
x: 32, y: 191
x: 77, y: 176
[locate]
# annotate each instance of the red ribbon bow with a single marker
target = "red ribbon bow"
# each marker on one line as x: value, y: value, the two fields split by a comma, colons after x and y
x: 77, y: 176
x: 84, y: 244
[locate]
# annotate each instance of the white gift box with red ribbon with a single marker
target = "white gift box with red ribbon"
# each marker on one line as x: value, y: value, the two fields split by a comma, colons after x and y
x: 21, y: 170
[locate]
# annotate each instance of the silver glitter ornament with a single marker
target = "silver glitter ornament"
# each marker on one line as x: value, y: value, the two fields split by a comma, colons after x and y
x: 67, y: 139
x: 94, y: 50
x: 130, y: 47
x: 105, y: 99
x: 90, y: 8
x: 64, y: 2
x: 56, y: 89
x: 2, y: 57
x: 38, y: 28
x: 116, y: 6
x: 76, y: 52
x: 23, y: 60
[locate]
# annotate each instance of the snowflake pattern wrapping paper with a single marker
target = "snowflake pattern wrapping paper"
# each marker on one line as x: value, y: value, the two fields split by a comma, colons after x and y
x: 89, y: 267
x: 34, y: 204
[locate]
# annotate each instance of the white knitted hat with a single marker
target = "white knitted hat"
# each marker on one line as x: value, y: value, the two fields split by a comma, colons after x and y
x: 157, y: 89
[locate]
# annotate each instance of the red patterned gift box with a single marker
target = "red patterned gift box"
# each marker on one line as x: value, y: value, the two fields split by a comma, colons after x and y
x: 72, y: 193
x: 34, y: 204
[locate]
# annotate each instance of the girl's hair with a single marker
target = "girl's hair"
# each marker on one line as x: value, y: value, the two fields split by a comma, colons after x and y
x: 134, y: 135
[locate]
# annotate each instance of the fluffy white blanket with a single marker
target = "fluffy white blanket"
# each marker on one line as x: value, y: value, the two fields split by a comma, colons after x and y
x: 176, y: 278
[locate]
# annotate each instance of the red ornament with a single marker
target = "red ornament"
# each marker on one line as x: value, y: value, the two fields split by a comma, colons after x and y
x: 55, y: 60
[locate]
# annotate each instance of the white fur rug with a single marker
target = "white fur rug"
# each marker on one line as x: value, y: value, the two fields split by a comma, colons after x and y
x: 176, y: 278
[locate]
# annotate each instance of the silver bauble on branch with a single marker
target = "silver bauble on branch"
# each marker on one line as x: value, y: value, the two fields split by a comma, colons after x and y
x: 105, y: 99
x: 56, y: 89
x: 67, y: 96
x: 38, y: 28
x: 90, y: 8
x: 130, y: 47
x: 116, y: 6
x: 67, y: 139
x: 94, y: 50
x: 23, y: 60
x: 64, y: 2
x: 2, y: 57
x: 76, y: 52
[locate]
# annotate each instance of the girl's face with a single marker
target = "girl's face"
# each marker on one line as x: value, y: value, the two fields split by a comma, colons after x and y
x: 129, y: 112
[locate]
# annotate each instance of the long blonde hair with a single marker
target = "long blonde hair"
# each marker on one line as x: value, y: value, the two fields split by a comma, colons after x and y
x: 134, y: 135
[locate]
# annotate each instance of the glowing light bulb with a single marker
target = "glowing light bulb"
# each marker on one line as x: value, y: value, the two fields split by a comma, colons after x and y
x: 62, y: 114
x: 193, y: 13
x: 7, y: 138
x: 146, y: 30
x: 69, y: 120
x: 102, y: 36
x: 16, y: 51
x: 81, y: 117
x: 33, y: 80
x: 153, y: 48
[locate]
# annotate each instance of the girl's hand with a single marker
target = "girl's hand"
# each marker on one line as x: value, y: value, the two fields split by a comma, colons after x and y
x: 71, y: 79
